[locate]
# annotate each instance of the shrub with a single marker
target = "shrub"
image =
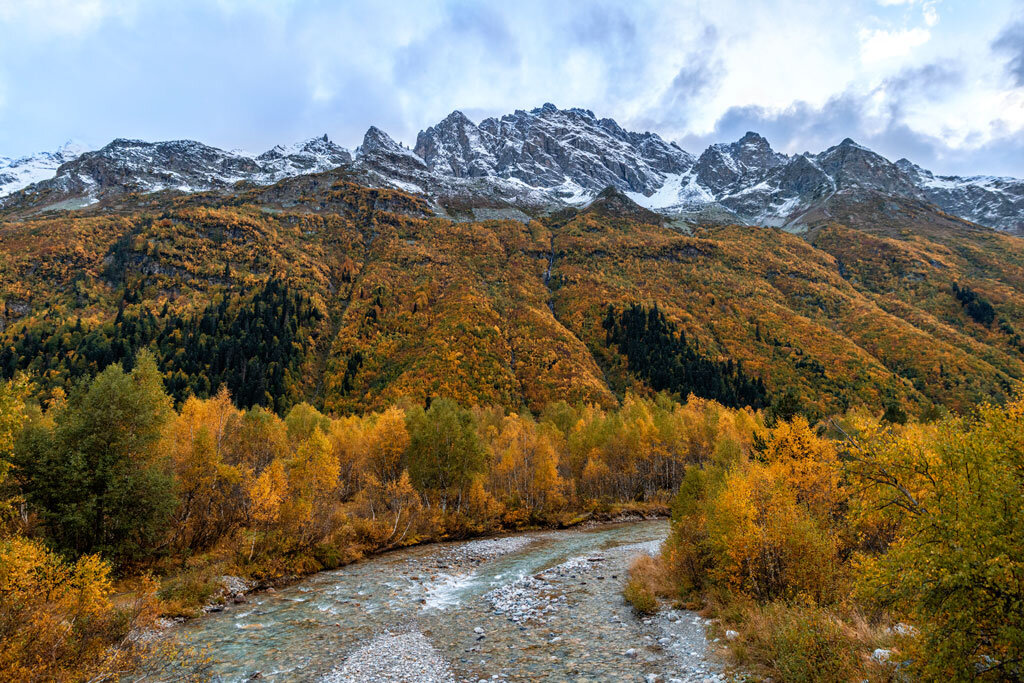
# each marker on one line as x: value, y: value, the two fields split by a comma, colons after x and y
x: 640, y: 596
x: 956, y: 568
x: 797, y: 644
x: 185, y: 593
x: 57, y: 621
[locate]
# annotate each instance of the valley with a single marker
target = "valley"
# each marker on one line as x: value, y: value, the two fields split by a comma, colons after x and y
x: 347, y: 366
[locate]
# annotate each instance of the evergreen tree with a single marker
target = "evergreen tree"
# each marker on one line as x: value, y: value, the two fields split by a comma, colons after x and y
x: 658, y: 352
x: 93, y: 470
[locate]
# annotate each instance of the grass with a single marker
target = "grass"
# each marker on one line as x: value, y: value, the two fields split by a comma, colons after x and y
x: 804, y: 644
x: 183, y: 594
x: 648, y: 580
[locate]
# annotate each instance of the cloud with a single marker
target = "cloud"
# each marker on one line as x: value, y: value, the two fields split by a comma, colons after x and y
x: 1011, y: 42
x: 700, y: 73
x: 875, y: 118
x: 59, y: 18
x: 878, y: 44
x: 254, y: 73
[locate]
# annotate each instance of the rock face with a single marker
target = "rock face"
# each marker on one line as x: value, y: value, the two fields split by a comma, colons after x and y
x: 988, y: 200
x: 549, y: 148
x: 529, y: 160
x: 137, y: 166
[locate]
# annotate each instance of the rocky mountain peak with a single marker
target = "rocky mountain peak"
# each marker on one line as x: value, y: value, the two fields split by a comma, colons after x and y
x: 854, y: 166
x: 377, y: 140
x: 455, y: 146
x: 21, y: 172
x: 612, y: 202
x: 537, y: 158
x: 724, y: 166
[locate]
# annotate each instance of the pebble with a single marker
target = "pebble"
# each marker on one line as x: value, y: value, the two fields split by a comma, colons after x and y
x: 235, y: 584
x: 903, y: 630
x: 468, y: 555
x: 394, y: 657
x: 530, y: 598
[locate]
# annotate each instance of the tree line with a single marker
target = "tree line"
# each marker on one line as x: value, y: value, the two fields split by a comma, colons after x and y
x: 253, y: 344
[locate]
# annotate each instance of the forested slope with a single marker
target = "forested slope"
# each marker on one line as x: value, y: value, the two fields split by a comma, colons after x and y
x: 368, y: 298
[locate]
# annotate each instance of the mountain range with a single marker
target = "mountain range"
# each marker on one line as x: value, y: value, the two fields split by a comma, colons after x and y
x: 524, y: 163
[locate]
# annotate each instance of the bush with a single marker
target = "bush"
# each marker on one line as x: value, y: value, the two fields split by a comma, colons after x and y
x: 640, y: 596
x: 797, y: 644
x: 185, y: 593
x: 956, y: 568
x: 57, y: 621
x: 768, y: 546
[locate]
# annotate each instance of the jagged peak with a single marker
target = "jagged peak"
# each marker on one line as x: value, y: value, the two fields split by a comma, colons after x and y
x: 126, y: 142
x: 319, y: 145
x: 457, y: 117
x: 375, y: 138
x: 908, y: 166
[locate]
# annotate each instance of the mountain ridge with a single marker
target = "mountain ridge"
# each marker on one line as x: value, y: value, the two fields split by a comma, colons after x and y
x: 535, y: 160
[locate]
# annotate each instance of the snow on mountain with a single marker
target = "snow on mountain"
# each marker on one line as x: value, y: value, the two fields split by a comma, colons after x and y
x: 16, y: 174
x: 533, y: 159
x: 312, y: 156
x: 551, y: 148
x: 184, y: 165
x: 988, y: 200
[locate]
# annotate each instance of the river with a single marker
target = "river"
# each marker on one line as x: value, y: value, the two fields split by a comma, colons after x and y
x: 544, y: 605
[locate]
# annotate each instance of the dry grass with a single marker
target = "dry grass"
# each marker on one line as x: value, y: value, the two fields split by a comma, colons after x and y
x: 800, y: 643
x: 649, y: 579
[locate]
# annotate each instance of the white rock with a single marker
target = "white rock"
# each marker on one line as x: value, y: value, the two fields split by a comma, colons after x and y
x: 881, y: 655
x: 731, y: 635
x: 903, y: 630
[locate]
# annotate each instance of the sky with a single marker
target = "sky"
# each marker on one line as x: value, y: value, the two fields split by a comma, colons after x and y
x: 938, y: 81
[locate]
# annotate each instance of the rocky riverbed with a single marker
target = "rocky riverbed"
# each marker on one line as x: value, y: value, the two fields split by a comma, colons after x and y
x: 541, y: 606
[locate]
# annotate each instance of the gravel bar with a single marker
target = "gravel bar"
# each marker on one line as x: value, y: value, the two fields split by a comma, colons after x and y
x: 406, y: 657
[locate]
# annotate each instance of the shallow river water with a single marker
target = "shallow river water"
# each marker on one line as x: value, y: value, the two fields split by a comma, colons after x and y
x: 539, y: 606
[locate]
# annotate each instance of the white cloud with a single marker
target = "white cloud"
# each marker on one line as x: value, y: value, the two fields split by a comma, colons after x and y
x: 63, y: 17
x: 285, y: 68
x: 878, y: 44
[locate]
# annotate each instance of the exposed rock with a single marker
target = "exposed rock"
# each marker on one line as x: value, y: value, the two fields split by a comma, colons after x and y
x: 524, y: 162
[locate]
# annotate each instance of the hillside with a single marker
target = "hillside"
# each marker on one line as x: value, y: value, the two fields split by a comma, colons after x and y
x: 376, y: 299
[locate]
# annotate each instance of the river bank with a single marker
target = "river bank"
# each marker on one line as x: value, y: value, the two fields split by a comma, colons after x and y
x: 543, y: 605
x: 215, y: 585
